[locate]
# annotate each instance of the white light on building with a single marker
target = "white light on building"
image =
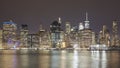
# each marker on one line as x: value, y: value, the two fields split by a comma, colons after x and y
x: 81, y: 27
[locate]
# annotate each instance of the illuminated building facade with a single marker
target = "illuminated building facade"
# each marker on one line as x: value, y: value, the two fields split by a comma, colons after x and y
x: 80, y: 36
x: 67, y: 34
x: 86, y: 38
x: 68, y: 27
x: 9, y: 34
x: 23, y: 35
x: 115, y: 37
x: 104, y: 36
x: 94, y: 38
x: 73, y: 41
x: 44, y: 38
x: 33, y: 40
x: 81, y: 26
x: 86, y: 35
x: 55, y: 29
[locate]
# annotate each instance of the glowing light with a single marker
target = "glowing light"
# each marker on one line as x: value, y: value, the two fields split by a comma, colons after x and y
x: 81, y: 27
x: 63, y: 45
x: 17, y: 43
x: 75, y: 60
x: 75, y: 46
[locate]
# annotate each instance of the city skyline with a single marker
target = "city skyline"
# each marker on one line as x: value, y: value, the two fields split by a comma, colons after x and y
x: 63, y: 25
x: 35, y: 13
x: 80, y: 36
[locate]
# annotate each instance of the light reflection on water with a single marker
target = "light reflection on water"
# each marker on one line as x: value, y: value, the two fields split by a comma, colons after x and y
x: 75, y: 59
x: 59, y: 59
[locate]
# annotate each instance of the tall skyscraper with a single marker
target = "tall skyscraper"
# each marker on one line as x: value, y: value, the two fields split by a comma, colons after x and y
x: 9, y: 33
x: 104, y: 36
x: 44, y: 38
x: 104, y: 30
x: 68, y: 27
x: 115, y: 27
x: 115, y: 38
x: 55, y: 28
x: 87, y: 25
x: 86, y: 35
x: 23, y: 35
x: 93, y: 38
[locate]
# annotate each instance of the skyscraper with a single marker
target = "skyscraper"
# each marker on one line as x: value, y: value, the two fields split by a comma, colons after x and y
x: 9, y: 33
x: 104, y: 36
x: 115, y: 38
x: 68, y: 27
x: 86, y: 35
x: 23, y: 35
x: 44, y: 38
x: 55, y: 29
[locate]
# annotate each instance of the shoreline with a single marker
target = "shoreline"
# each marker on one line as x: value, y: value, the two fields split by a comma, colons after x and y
x: 80, y: 49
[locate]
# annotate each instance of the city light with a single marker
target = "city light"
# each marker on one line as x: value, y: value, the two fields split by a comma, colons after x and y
x: 74, y: 37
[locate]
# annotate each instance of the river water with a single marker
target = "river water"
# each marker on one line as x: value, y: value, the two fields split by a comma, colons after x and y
x: 59, y: 59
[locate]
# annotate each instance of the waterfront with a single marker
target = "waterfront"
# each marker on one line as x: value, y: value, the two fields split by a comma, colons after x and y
x: 59, y: 59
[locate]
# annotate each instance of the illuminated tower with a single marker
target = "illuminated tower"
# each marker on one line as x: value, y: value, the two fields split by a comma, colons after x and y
x: 41, y: 36
x: 115, y: 27
x: 55, y: 29
x: 23, y: 35
x: 115, y: 38
x: 104, y: 36
x: 68, y: 27
x: 86, y: 22
x: 104, y: 30
x: 44, y: 38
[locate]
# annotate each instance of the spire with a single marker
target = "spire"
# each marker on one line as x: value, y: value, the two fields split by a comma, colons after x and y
x: 87, y: 21
x: 59, y: 20
x: 86, y: 16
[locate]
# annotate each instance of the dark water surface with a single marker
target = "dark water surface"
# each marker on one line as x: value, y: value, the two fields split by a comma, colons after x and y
x: 59, y: 59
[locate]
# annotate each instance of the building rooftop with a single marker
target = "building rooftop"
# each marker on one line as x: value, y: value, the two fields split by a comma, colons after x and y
x: 8, y: 22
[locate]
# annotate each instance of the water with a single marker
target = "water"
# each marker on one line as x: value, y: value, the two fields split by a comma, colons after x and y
x: 59, y: 59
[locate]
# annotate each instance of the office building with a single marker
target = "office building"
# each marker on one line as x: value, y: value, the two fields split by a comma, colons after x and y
x: 68, y: 27
x: 44, y: 38
x: 104, y: 36
x: 55, y: 29
x: 115, y: 36
x: 23, y: 35
x: 9, y: 34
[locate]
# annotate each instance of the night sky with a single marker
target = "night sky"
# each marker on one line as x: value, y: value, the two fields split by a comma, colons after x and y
x: 36, y: 12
